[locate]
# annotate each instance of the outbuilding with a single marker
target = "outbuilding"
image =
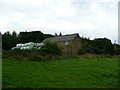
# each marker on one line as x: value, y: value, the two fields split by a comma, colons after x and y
x: 69, y: 44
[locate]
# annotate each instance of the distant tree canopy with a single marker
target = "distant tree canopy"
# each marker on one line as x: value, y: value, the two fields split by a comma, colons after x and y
x: 60, y: 34
x: 34, y: 36
x: 99, y: 46
x: 56, y: 34
x: 10, y: 40
x: 103, y: 46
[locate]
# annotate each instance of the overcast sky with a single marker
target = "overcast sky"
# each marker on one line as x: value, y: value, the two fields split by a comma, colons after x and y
x: 89, y: 18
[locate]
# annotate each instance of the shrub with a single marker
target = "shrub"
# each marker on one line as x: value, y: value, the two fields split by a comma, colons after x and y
x: 47, y: 52
x: 35, y: 58
x: 50, y: 49
x: 81, y: 52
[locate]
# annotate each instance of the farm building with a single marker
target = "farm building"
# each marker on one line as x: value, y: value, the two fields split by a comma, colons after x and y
x: 69, y: 44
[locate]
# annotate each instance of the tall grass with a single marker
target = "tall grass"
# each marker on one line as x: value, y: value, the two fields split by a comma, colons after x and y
x: 35, y: 55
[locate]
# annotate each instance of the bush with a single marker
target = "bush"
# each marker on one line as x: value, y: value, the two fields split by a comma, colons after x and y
x: 40, y: 57
x: 50, y: 49
x: 47, y: 52
x: 81, y: 52
x: 35, y: 58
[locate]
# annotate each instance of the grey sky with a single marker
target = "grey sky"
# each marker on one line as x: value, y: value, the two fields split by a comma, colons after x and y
x: 89, y: 18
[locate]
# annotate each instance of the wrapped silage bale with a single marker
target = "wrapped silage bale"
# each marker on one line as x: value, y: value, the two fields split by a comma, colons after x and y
x: 27, y: 47
x: 13, y: 48
x: 39, y: 45
x: 31, y: 45
x: 18, y: 45
x: 21, y: 48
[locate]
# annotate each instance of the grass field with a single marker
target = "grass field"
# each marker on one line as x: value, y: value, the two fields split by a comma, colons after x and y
x: 64, y: 73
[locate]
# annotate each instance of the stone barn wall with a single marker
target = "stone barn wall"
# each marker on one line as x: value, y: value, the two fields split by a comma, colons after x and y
x: 70, y: 48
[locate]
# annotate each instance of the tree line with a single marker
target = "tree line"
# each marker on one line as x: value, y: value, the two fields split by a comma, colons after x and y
x: 10, y: 40
x: 100, y: 46
x: 97, y: 46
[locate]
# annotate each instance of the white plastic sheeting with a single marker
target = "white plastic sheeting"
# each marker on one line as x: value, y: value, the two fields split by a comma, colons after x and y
x: 30, y: 45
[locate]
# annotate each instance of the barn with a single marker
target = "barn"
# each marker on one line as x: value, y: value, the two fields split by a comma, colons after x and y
x: 70, y: 44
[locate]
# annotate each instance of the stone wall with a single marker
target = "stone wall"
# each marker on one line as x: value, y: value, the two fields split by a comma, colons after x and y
x: 70, y: 48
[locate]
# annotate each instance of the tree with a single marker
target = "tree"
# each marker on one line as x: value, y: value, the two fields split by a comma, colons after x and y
x: 60, y: 34
x: 56, y: 34
x: 103, y: 46
x: 117, y: 49
x: 86, y: 44
x: 9, y: 40
x: 14, y: 34
x: 50, y: 49
x: 34, y: 36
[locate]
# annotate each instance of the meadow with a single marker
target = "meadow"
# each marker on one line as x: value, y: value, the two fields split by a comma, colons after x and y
x: 62, y: 73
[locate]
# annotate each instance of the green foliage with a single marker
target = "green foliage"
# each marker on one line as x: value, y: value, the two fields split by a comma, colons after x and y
x: 29, y: 55
x: 50, y: 49
x: 100, y: 46
x: 81, y: 52
x: 117, y: 49
x: 39, y: 57
x: 64, y: 73
x: 35, y: 57
x: 34, y: 36
x: 10, y: 40
x: 103, y: 46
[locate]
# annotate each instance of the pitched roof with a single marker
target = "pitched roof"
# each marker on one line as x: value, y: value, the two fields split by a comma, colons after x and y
x: 62, y: 38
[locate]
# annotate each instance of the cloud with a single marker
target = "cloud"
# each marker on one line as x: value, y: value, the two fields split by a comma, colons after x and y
x: 103, y: 16
x: 90, y: 18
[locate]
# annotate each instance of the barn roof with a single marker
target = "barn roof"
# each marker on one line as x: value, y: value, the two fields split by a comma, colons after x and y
x: 67, y: 37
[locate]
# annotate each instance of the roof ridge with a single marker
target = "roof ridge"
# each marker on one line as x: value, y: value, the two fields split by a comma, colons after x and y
x: 66, y: 37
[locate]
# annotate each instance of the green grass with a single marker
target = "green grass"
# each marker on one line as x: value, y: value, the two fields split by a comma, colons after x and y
x: 66, y: 73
